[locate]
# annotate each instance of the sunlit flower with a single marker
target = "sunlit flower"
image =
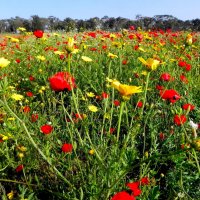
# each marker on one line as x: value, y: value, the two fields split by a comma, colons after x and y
x: 90, y: 94
x: 59, y: 52
x: 21, y: 29
x: 70, y: 45
x: 4, y: 62
x: 92, y: 108
x: 125, y: 90
x: 14, y: 40
x: 151, y: 63
x: 189, y: 39
x: 61, y: 81
x: 91, y: 151
x: 86, y: 59
x: 17, y: 97
x: 110, y: 55
x: 42, y: 58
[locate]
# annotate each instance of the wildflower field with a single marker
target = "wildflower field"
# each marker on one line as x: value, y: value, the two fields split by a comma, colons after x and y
x: 100, y: 115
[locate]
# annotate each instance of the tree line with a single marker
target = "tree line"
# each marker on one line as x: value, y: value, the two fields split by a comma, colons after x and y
x: 52, y: 23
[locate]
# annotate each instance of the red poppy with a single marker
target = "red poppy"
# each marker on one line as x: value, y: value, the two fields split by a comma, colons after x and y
x: 161, y: 136
x: 46, y: 129
x: 134, y: 187
x: 183, y: 79
x: 165, y: 77
x: 31, y: 78
x: 18, y: 60
x: 122, y: 196
x: 132, y: 28
x: 38, y: 33
x: 144, y: 181
x: 159, y: 87
x: 170, y: 95
x: 34, y: 117
x: 124, y: 62
x: 188, y: 106
x: 179, y: 119
x: 29, y: 94
x: 67, y: 148
x: 19, y: 168
x: 188, y: 67
x: 61, y: 81
x: 104, y: 95
x: 181, y: 63
x: 139, y: 104
x: 116, y: 103
x: 112, y: 130
x: 26, y: 109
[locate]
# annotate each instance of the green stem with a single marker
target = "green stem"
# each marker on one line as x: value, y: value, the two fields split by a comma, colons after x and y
x: 69, y: 62
x: 196, y: 159
x: 120, y: 119
x: 145, y: 93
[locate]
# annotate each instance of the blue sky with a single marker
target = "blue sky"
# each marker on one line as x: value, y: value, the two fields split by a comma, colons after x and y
x: 85, y: 9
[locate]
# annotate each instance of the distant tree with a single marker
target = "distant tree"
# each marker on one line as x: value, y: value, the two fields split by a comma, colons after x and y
x: 81, y: 25
x: 37, y: 23
x: 53, y: 23
x: 69, y: 24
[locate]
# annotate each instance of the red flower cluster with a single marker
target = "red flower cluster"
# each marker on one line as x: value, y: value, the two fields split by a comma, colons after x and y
x: 46, y: 129
x: 61, y: 81
x: 170, y: 95
x: 179, y: 119
x: 38, y: 33
x: 188, y: 106
x: 134, y: 187
x: 185, y: 65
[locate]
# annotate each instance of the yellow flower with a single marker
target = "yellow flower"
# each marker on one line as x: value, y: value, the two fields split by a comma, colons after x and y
x: 21, y: 29
x: 151, y: 63
x: 112, y: 55
x: 55, y: 34
x: 86, y: 59
x: 17, y: 97
x: 14, y: 40
x: 189, y: 39
x: 20, y: 155
x: 42, y: 58
x: 125, y: 90
x: 59, y: 52
x: 113, y: 35
x: 90, y: 94
x: 91, y: 151
x: 4, y: 62
x: 92, y: 108
x: 22, y: 148
x: 144, y: 73
x: 70, y: 45
x: 10, y: 195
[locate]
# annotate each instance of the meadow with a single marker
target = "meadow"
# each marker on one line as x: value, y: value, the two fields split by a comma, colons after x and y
x: 100, y: 115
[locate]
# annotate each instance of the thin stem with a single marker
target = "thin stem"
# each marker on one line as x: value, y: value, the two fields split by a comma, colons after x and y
x: 120, y: 119
x: 145, y: 92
